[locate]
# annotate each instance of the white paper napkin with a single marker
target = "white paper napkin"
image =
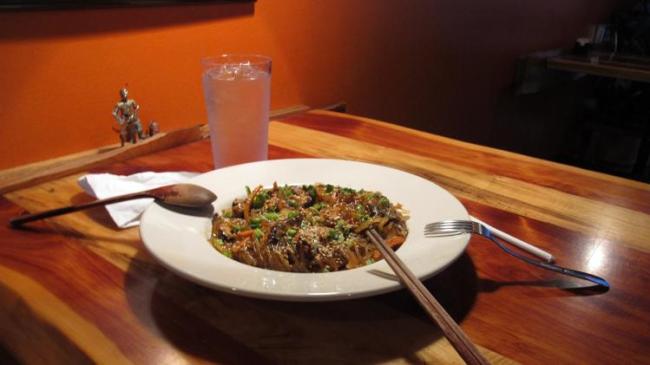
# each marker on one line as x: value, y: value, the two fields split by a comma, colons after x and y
x: 127, y: 214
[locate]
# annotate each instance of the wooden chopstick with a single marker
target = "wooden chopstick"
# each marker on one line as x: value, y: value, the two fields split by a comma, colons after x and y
x: 449, y: 327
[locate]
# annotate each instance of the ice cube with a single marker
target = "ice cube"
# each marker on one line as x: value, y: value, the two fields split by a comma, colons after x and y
x: 234, y: 71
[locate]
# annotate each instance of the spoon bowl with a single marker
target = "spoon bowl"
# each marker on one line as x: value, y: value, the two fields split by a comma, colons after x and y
x: 183, y: 195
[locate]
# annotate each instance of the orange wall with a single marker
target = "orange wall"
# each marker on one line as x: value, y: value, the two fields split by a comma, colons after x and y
x: 429, y: 64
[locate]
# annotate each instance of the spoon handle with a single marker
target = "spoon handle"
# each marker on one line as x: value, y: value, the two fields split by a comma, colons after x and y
x: 20, y: 220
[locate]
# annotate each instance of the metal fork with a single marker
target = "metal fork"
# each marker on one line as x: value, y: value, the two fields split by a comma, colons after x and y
x: 455, y: 227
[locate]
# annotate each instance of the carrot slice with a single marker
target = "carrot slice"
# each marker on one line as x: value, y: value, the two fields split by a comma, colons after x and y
x: 246, y: 233
x: 395, y: 241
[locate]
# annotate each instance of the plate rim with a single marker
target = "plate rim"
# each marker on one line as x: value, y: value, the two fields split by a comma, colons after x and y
x: 389, y: 286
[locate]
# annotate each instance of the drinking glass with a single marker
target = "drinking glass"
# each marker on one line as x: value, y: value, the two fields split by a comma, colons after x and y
x: 237, y: 90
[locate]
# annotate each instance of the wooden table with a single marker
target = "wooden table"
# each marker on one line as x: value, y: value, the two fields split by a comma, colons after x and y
x: 75, y: 289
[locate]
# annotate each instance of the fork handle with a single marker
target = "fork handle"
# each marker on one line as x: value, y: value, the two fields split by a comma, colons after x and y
x: 578, y: 274
x: 552, y: 267
x: 546, y: 256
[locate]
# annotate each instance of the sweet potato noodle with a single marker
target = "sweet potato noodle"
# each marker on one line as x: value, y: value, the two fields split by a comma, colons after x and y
x: 310, y: 228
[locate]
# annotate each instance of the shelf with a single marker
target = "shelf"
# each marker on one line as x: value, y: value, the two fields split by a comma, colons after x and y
x: 629, y: 68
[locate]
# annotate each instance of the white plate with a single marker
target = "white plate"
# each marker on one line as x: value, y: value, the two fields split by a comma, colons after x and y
x: 180, y: 241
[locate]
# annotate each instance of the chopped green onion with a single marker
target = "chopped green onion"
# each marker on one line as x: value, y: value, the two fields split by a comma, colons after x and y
x: 318, y: 206
x: 311, y: 190
x: 335, y: 235
x: 384, y: 202
x: 347, y: 191
x: 258, y: 233
x: 219, y: 245
x: 342, y: 226
x: 286, y: 191
x: 271, y: 216
x: 255, y: 222
x: 259, y: 200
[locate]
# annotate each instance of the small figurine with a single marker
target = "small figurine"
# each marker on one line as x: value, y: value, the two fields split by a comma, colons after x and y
x: 153, y: 128
x: 126, y: 115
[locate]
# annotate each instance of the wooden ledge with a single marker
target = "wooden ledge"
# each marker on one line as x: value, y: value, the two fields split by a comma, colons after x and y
x: 38, y: 172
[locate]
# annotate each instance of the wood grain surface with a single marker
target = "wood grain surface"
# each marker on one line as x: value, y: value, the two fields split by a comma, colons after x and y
x: 76, y: 289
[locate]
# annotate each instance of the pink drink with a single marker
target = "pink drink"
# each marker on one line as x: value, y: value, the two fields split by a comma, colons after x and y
x: 237, y: 93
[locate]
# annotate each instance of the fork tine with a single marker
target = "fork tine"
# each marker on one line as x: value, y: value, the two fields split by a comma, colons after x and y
x: 446, y: 228
x: 443, y: 234
x: 450, y: 221
x: 449, y: 224
x: 446, y: 224
x: 436, y: 226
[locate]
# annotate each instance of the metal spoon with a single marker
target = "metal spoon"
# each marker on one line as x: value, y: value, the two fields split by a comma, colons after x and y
x: 179, y: 195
